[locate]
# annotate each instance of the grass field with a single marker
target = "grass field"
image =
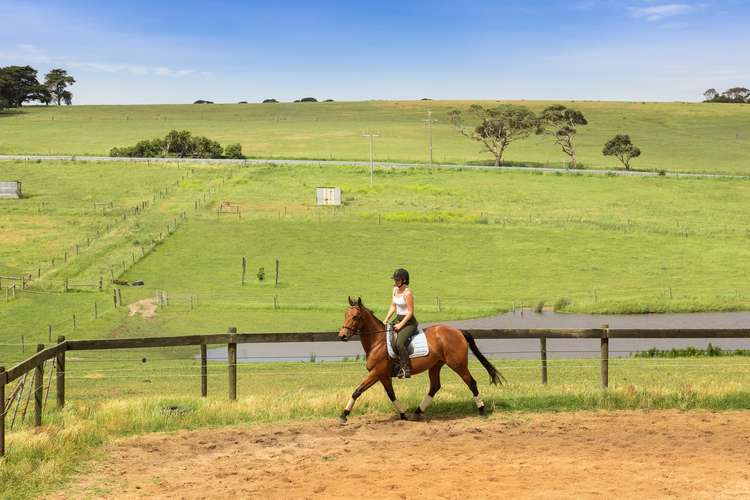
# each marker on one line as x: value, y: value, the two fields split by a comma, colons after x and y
x: 673, y: 136
x: 480, y: 240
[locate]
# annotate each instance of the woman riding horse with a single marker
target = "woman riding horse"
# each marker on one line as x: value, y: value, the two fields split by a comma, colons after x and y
x: 405, y: 325
x: 447, y: 346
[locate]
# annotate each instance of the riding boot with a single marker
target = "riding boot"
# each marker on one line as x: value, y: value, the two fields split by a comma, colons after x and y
x: 403, y: 354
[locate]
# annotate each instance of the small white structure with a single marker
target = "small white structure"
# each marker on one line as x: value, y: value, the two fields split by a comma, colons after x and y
x: 328, y: 195
x: 10, y: 189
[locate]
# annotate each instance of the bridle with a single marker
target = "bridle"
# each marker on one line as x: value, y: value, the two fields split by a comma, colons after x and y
x: 358, y: 329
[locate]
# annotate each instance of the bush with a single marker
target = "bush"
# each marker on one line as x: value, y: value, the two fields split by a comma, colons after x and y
x: 177, y: 143
x: 267, y: 101
x: 539, y: 307
x: 562, y: 303
x: 308, y: 99
x: 328, y: 100
x: 202, y: 101
x: 234, y: 151
x: 242, y: 102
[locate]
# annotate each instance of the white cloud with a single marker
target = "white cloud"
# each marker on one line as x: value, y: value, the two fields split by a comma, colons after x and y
x: 30, y: 54
x: 659, y: 12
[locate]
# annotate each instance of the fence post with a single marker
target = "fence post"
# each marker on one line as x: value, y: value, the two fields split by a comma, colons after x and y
x: 277, y: 272
x: 543, y: 352
x: 244, y: 268
x: 204, y: 371
x: 605, y: 356
x: 38, y: 389
x: 232, y: 365
x: 60, y: 375
x: 2, y: 411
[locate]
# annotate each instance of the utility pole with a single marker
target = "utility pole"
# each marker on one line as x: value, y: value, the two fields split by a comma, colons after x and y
x: 429, y: 121
x: 371, y: 136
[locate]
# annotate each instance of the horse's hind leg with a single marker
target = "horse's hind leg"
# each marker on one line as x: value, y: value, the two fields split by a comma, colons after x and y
x: 462, y: 369
x: 434, y: 388
x: 368, y: 382
x: 388, y: 386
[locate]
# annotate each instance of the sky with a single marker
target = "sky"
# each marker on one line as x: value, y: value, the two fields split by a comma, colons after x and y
x: 144, y: 52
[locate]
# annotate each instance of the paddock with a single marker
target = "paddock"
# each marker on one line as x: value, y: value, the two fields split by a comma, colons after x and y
x: 627, y: 454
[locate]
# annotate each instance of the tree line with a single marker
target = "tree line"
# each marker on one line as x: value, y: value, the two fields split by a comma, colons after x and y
x: 19, y: 84
x: 500, y: 126
x: 738, y: 95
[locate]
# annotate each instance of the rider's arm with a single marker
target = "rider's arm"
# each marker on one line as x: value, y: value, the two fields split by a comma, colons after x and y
x: 391, y: 310
x: 409, y: 310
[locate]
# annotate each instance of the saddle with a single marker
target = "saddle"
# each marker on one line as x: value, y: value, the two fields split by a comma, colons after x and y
x: 417, y: 345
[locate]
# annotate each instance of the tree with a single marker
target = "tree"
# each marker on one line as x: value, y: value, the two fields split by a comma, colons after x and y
x: 621, y: 147
x: 560, y: 122
x: 57, y: 81
x: 710, y: 94
x: 738, y: 94
x: 234, y: 151
x: 498, y: 126
x: 20, y: 85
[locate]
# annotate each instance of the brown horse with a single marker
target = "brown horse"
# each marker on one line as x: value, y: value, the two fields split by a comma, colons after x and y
x: 447, y: 345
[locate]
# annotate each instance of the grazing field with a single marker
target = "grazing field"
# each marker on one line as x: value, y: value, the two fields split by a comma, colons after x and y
x: 479, y: 240
x: 687, y: 137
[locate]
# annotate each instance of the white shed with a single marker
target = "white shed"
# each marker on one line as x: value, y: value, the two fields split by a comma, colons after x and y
x: 328, y: 195
x: 10, y: 189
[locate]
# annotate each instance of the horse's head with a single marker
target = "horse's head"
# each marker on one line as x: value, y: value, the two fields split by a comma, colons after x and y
x: 352, y: 319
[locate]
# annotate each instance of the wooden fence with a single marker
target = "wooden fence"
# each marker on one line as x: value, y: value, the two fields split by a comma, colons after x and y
x: 232, y: 338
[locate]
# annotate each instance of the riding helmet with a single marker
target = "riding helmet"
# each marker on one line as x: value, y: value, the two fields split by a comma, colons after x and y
x: 401, y: 274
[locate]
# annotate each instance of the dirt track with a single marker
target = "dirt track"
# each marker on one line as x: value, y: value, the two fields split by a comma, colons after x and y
x: 566, y: 455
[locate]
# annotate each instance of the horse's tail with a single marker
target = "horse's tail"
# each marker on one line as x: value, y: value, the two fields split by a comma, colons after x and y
x: 495, y: 376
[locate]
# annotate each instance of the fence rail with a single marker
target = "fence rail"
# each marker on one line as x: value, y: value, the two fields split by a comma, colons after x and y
x: 232, y: 338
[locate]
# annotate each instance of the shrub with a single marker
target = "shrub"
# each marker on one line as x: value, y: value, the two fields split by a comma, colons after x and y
x: 203, y: 101
x: 562, y: 303
x: 267, y: 101
x: 234, y: 151
x: 308, y: 99
x: 539, y: 307
x: 177, y: 143
x: 261, y: 274
x: 328, y: 100
x: 242, y: 102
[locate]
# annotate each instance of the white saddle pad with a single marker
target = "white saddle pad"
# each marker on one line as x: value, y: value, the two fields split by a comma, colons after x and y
x: 417, y: 347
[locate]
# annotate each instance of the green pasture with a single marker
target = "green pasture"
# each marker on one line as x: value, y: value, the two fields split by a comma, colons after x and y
x: 687, y: 137
x: 480, y: 241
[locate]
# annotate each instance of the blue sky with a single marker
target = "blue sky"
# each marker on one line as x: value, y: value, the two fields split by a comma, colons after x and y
x: 227, y: 51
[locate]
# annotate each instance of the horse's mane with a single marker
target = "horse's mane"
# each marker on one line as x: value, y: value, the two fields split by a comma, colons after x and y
x: 371, y: 313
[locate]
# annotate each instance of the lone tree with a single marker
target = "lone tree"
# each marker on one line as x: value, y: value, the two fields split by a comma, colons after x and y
x: 621, y: 147
x: 498, y: 127
x: 561, y: 122
x: 57, y: 81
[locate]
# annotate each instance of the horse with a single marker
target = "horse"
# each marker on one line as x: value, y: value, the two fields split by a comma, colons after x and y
x: 447, y: 346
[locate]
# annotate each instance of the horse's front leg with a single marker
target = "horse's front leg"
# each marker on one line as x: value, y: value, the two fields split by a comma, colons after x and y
x: 368, y: 382
x: 388, y: 385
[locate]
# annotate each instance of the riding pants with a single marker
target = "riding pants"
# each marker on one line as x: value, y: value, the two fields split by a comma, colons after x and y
x: 406, y: 333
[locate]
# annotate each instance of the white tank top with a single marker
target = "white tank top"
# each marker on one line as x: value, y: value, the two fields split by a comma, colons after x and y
x: 400, y: 302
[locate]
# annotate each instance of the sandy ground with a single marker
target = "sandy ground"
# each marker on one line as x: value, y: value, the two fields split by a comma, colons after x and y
x: 660, y: 454
x: 145, y: 307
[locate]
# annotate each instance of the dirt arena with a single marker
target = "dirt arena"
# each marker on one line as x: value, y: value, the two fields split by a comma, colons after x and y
x: 659, y: 454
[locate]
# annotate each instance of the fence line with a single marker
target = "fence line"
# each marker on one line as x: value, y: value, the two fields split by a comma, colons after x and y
x: 57, y: 352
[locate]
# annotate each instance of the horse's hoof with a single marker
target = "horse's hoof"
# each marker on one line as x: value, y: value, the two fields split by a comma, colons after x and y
x: 402, y: 416
x: 342, y: 420
x: 416, y: 417
x: 482, y: 412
